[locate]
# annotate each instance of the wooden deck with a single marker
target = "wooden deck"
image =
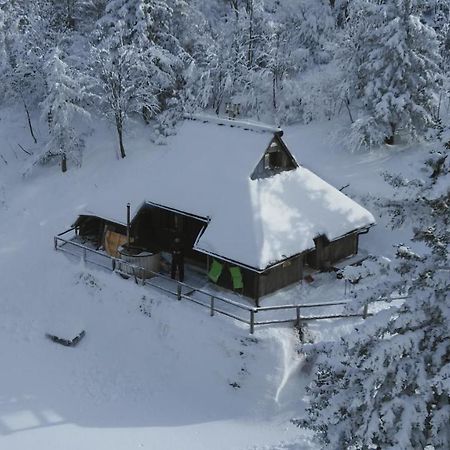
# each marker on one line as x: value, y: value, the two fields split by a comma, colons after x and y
x: 197, y: 290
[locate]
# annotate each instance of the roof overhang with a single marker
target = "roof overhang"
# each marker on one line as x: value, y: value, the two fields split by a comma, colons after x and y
x: 205, y: 219
x: 97, y: 216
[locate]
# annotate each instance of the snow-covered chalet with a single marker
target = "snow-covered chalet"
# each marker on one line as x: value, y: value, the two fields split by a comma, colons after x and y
x: 249, y: 215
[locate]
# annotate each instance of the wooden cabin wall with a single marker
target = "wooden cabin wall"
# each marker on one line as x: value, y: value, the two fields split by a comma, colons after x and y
x: 342, y: 248
x: 280, y: 276
x: 257, y: 285
x: 156, y: 228
x: 326, y: 255
x: 90, y: 226
x: 144, y: 231
x: 93, y: 228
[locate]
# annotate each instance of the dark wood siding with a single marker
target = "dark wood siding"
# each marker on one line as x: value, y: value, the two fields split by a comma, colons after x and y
x: 282, y: 275
x: 155, y: 229
x: 327, y: 253
x: 342, y: 248
x: 257, y: 285
x: 92, y: 228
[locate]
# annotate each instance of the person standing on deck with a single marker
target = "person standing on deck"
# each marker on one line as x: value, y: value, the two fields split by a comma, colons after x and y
x: 177, y: 259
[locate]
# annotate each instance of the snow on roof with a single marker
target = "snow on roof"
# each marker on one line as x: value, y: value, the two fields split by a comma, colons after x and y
x: 205, y: 170
x: 232, y: 122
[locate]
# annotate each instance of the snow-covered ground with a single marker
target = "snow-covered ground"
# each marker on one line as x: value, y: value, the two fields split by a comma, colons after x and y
x: 151, y: 372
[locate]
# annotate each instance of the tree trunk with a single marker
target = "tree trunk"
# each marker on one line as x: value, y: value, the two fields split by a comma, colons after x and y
x: 390, y: 139
x: 63, y: 163
x: 146, y: 114
x: 119, y: 126
x: 274, y: 91
x: 122, y: 148
x: 250, y: 11
x: 347, y: 105
x: 30, y: 126
x: 70, y: 19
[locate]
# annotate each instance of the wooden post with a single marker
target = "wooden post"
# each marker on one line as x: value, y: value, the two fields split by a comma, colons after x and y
x: 212, y: 306
x: 252, y: 321
x: 297, y: 323
x: 113, y: 264
x: 365, y: 310
x: 179, y: 291
x: 55, y: 243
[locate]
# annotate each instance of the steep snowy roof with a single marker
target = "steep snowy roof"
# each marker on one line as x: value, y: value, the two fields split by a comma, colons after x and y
x: 205, y: 170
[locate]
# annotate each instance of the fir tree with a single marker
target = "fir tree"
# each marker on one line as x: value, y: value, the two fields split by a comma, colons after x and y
x: 387, y: 384
x: 391, y: 64
x: 61, y: 106
x: 137, y: 61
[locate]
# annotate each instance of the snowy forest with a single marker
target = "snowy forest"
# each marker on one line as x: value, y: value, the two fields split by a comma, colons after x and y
x: 384, y: 63
x: 377, y: 70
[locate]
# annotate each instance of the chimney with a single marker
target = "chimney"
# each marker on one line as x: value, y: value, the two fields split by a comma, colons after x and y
x: 128, y: 224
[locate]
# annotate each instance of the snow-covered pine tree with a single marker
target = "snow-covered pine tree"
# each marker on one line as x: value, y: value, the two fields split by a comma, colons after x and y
x: 12, y: 31
x: 222, y: 68
x: 136, y: 61
x: 116, y: 97
x: 224, y: 74
x: 66, y: 90
x: 297, y: 34
x: 159, y: 23
x: 390, y: 61
x: 87, y: 14
x: 193, y: 30
x: 438, y: 16
x: 386, y: 385
x: 340, y: 11
x: 114, y: 62
x: 5, y: 26
x: 255, y: 53
x: 26, y: 36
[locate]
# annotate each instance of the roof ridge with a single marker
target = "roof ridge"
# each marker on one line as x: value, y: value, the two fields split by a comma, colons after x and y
x: 231, y: 122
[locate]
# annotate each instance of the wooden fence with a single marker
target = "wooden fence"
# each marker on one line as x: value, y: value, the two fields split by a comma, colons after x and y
x: 215, y: 303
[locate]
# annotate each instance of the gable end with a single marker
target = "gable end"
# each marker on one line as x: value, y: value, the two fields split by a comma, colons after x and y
x: 276, y: 159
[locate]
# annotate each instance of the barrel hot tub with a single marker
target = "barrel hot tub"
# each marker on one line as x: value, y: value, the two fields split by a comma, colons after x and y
x: 141, y: 259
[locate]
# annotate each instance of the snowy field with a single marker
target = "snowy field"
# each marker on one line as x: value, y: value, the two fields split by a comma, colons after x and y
x: 151, y: 372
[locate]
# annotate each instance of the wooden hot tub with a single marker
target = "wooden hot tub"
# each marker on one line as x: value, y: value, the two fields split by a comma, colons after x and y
x: 149, y: 261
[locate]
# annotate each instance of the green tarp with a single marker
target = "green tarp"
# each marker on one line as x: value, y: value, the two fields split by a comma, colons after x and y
x: 215, y: 271
x: 236, y: 275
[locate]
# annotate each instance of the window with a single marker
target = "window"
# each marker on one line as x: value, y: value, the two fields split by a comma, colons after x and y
x: 273, y: 159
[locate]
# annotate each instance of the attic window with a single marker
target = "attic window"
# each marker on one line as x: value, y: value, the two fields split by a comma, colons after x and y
x: 277, y: 158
